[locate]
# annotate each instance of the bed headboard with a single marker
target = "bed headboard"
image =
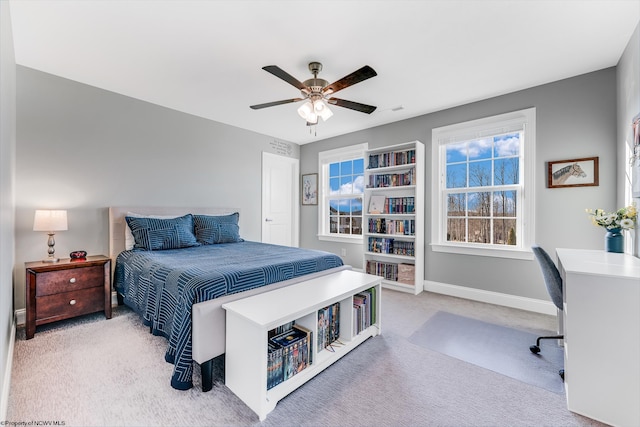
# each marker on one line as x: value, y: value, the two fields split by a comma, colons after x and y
x: 117, y: 222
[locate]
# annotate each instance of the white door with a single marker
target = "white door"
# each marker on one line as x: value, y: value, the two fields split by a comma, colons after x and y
x: 280, y: 200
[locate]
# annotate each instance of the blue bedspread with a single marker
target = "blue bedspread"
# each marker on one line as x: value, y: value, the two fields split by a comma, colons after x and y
x: 162, y: 286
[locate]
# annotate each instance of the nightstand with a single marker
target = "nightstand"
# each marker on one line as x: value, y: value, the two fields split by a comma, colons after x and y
x: 65, y: 289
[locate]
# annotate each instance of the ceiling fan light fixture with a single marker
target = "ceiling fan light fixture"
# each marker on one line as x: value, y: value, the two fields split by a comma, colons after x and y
x: 324, y: 111
x: 305, y: 110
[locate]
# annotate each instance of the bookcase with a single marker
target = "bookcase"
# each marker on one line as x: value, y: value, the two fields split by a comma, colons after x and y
x: 393, y: 215
x: 249, y: 320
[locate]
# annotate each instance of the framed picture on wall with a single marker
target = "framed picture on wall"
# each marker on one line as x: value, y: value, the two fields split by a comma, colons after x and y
x: 309, y: 189
x: 572, y: 173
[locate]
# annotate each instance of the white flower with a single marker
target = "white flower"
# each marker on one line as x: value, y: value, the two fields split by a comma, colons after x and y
x: 626, y: 223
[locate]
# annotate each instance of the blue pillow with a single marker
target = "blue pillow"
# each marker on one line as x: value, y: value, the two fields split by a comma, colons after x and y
x: 155, y: 234
x: 210, y: 229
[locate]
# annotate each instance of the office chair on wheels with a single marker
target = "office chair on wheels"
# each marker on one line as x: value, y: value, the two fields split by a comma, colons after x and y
x: 553, y: 281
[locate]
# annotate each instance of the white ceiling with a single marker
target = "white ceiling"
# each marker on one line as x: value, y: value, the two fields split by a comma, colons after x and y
x: 205, y: 57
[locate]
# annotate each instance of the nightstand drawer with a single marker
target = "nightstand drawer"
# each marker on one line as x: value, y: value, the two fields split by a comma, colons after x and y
x: 54, y: 282
x: 69, y: 304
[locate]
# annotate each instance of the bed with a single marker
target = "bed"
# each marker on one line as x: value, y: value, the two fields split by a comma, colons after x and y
x: 178, y: 290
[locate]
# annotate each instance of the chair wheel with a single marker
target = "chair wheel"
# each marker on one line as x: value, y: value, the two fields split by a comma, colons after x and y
x: 534, y: 349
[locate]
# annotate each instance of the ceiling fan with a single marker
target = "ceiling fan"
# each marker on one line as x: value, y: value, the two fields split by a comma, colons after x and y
x: 318, y: 91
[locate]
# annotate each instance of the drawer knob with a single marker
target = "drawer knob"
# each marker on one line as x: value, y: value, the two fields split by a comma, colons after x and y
x: 72, y: 302
x: 72, y: 280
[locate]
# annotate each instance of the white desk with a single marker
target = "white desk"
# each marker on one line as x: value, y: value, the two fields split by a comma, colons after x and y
x: 602, y: 334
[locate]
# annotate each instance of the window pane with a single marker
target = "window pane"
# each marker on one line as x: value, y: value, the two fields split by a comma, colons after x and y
x: 345, y: 225
x: 356, y: 225
x: 506, y: 171
x: 504, y: 203
x: 480, y: 230
x: 479, y: 204
x: 457, y: 175
x: 480, y: 173
x: 480, y: 148
x: 504, y: 231
x: 345, y: 185
x: 358, y: 184
x: 507, y: 145
x: 334, y: 186
x: 456, y: 205
x: 456, y: 152
x: 333, y: 224
x: 333, y: 207
x: 356, y: 206
x: 456, y: 230
x: 346, y: 168
x: 358, y: 166
x: 334, y: 170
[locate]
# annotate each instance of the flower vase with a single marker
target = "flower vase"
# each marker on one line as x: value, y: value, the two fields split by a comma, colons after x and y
x: 614, y: 240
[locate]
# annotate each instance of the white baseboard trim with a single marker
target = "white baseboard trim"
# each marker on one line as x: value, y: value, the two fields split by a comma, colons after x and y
x: 6, y: 384
x: 21, y: 317
x: 21, y: 314
x: 513, y: 301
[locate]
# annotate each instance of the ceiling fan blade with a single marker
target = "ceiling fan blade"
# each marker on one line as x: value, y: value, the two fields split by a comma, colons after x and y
x: 280, y: 73
x: 363, y: 108
x: 363, y: 73
x: 274, y: 103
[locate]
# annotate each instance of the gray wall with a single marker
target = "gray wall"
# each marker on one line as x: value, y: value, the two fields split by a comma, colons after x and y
x: 84, y: 149
x: 576, y: 118
x: 7, y: 167
x: 628, y: 91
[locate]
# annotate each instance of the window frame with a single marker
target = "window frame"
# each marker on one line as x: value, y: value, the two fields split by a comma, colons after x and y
x: 325, y: 158
x: 522, y: 120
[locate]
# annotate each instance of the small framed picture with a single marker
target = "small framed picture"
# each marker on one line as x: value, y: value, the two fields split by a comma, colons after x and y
x: 310, y: 189
x: 573, y: 173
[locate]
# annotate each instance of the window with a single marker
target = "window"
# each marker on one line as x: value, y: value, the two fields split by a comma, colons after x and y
x: 341, y: 193
x: 480, y: 172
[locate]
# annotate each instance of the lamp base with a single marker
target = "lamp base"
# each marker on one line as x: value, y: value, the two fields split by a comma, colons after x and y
x: 51, y: 260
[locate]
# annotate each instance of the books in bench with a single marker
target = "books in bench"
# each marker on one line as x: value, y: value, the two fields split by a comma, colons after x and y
x: 328, y: 325
x: 287, y: 355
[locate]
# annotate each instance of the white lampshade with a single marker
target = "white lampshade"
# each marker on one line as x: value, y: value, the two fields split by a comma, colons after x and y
x: 322, y: 109
x: 50, y: 220
x: 305, y: 109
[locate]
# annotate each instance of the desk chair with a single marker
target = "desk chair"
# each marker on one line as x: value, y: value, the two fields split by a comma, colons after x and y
x: 553, y: 281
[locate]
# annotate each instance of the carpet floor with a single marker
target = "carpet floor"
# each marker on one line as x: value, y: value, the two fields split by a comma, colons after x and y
x: 95, y: 372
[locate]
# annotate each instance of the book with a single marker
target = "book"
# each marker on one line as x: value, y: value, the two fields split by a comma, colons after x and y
x: 309, y: 333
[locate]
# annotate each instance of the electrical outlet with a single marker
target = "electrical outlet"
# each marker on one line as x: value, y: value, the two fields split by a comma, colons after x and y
x: 343, y: 252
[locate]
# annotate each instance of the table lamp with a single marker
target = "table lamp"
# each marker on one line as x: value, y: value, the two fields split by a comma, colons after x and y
x: 50, y: 221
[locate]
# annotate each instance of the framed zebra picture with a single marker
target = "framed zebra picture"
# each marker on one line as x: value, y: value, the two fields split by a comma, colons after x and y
x: 572, y: 173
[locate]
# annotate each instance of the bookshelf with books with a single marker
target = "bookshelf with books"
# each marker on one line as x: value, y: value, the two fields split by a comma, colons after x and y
x: 278, y: 340
x: 393, y: 215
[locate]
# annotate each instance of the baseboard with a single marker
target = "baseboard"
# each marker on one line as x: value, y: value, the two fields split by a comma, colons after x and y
x: 21, y: 314
x: 6, y: 384
x: 513, y: 301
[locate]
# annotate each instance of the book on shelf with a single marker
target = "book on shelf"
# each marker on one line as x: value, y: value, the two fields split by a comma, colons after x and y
x: 309, y: 334
x: 392, y: 179
x: 364, y: 310
x: 328, y: 325
x: 392, y: 158
x: 287, y: 355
